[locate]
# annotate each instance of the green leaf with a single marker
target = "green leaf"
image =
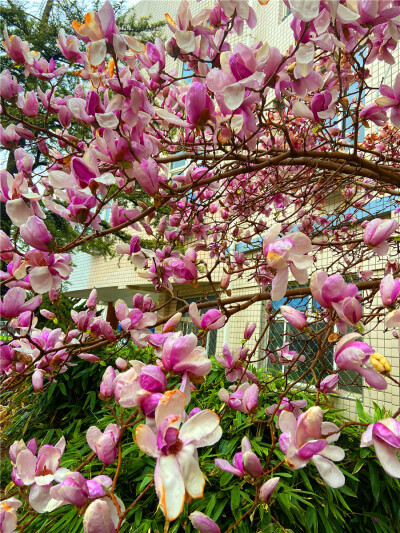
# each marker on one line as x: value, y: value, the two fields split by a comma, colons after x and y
x: 235, y: 496
x: 362, y: 415
x: 211, y: 505
x: 375, y: 482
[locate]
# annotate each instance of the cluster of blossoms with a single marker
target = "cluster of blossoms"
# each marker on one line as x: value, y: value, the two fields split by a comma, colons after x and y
x: 250, y: 207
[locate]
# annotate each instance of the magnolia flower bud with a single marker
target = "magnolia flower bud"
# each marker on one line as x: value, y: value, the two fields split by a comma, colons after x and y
x: 172, y: 323
x: 191, y: 254
x: 121, y: 364
x: 329, y: 383
x: 35, y: 233
x: 389, y: 289
x: 251, y: 464
x: 203, y: 523
x: 225, y: 279
x: 37, y: 380
x: 47, y: 314
x: 249, y: 330
x: 162, y: 226
x: 106, y: 386
x: 97, y: 518
x: 92, y: 300
x: 294, y: 316
x: 267, y: 489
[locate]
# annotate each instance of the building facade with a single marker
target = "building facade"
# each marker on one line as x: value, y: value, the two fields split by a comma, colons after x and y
x: 118, y: 278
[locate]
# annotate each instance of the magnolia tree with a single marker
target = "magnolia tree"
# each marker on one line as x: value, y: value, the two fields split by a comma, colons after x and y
x: 268, y: 139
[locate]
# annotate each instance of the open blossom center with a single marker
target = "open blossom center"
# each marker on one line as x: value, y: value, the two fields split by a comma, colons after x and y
x: 175, y: 448
x: 44, y: 472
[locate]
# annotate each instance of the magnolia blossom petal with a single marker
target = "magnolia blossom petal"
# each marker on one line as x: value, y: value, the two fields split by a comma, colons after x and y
x: 199, y: 427
x: 146, y: 440
x: 279, y: 284
x: 173, y: 488
x: 329, y: 472
x: 172, y: 403
x: 41, y: 501
x: 225, y: 465
x: 388, y: 458
x: 96, y: 52
x: 234, y: 95
x: 18, y: 211
x: 191, y: 473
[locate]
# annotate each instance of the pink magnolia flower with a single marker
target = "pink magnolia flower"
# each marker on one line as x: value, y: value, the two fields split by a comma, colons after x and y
x: 73, y: 489
x: 76, y: 490
x: 14, y: 303
x: 8, y: 515
x: 101, y: 516
x: 203, y: 523
x: 124, y: 380
x: 376, y: 233
x: 18, y: 50
x: 6, y: 247
x: 91, y: 302
x: 385, y: 436
x: 305, y: 439
x: 146, y: 174
x: 288, y: 357
x: 329, y: 384
x: 389, y: 289
x: 354, y: 355
x: 104, y: 444
x: 305, y: 10
x: 212, y: 319
x: 294, y: 316
x: 392, y: 319
x: 69, y: 46
x: 199, y: 106
x: 183, y: 270
x: 244, y: 399
x: 39, y: 472
x: 177, y: 474
x: 106, y: 385
x: 28, y: 104
x: 267, y: 489
x: 136, y: 321
x: 232, y: 361
x: 244, y: 463
x: 249, y: 330
x: 375, y: 113
x: 47, y: 271
x: 35, y: 233
x: 153, y: 379
x: 390, y: 99
x: 181, y: 354
x: 9, y: 87
x: 287, y: 253
x: 327, y: 290
x: 6, y: 358
x: 293, y: 406
x: 349, y: 311
x: 141, y: 385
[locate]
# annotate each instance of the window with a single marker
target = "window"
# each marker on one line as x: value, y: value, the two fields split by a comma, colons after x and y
x: 185, y: 72
x: 285, y: 11
x: 282, y: 331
